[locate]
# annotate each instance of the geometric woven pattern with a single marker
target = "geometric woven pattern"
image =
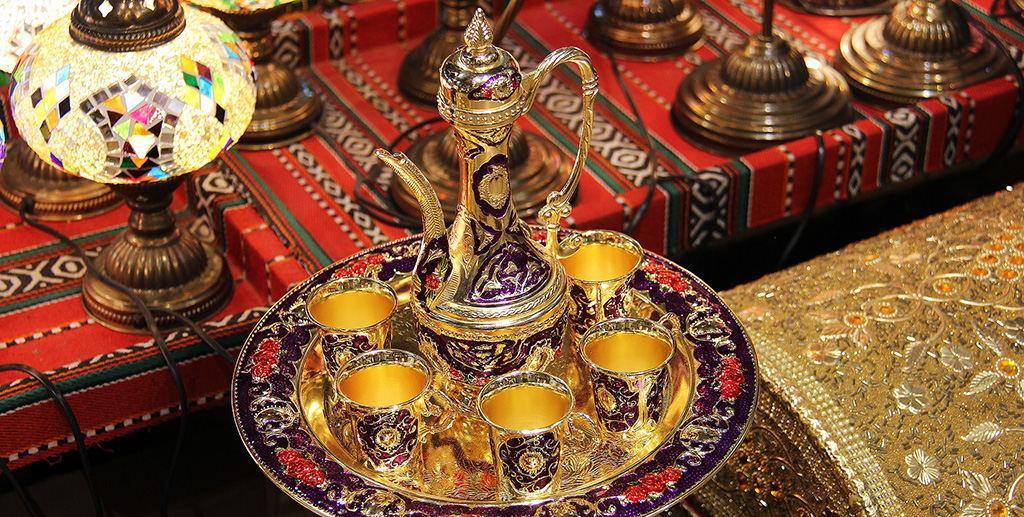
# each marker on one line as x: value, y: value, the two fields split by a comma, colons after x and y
x: 52, y: 100
x: 205, y: 88
x: 137, y: 123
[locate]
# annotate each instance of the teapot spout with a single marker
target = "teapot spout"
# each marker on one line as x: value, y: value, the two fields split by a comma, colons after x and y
x: 435, y: 240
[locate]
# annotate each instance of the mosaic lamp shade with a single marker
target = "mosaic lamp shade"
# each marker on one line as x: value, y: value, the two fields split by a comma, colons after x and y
x: 135, y: 94
x: 286, y: 107
x: 57, y: 196
x: 122, y: 117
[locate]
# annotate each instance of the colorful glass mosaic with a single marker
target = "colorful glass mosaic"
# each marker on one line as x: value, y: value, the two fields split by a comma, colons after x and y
x: 137, y: 123
x: 51, y: 100
x: 205, y: 88
x: 229, y: 49
x: 23, y: 70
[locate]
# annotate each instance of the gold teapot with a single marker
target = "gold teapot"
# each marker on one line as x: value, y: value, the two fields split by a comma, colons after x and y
x: 488, y: 298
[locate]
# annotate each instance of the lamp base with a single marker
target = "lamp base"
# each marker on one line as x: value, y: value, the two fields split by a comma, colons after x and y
x: 286, y: 110
x: 58, y: 196
x: 922, y: 50
x: 164, y: 265
x: 762, y: 94
x: 645, y: 30
x: 419, y: 76
x: 536, y: 168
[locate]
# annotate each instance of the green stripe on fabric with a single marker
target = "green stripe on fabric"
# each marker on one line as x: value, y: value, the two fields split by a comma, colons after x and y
x: 39, y: 300
x: 49, y: 248
x: 293, y: 224
x: 122, y: 372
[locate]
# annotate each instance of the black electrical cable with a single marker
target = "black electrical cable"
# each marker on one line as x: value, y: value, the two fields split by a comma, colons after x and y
x: 805, y: 219
x: 198, y: 331
x: 375, y: 210
x: 76, y: 431
x: 24, y: 210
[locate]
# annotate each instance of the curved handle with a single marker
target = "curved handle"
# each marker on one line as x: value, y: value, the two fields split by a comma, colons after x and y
x: 581, y: 434
x: 674, y: 324
x: 557, y: 205
x: 442, y: 410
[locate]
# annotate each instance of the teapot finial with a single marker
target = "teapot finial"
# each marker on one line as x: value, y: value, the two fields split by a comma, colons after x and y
x: 478, y: 34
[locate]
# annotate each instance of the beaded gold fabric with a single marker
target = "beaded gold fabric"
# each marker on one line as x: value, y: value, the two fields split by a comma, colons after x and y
x: 897, y: 361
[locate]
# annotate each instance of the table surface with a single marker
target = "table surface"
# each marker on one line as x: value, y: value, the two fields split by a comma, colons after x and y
x: 280, y: 215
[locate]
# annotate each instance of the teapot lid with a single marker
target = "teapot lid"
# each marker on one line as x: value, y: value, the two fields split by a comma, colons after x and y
x: 480, y: 83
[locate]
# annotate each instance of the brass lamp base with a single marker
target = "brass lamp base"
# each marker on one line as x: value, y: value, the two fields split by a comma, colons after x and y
x: 645, y: 30
x: 286, y: 108
x: 419, y: 75
x: 923, y: 49
x: 163, y: 264
x: 58, y: 196
x: 840, y: 7
x: 762, y: 94
x: 537, y: 168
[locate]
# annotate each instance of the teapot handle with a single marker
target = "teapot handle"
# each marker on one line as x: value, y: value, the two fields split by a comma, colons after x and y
x: 557, y: 205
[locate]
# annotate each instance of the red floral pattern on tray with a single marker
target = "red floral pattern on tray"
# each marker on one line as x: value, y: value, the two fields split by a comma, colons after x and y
x: 273, y: 431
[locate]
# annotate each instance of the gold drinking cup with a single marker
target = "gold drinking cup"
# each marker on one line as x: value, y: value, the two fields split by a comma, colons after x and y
x: 528, y: 413
x: 354, y: 316
x: 391, y: 408
x: 599, y: 270
x: 628, y: 360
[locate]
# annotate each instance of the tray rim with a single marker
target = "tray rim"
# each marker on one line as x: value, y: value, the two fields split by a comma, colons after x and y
x: 381, y: 501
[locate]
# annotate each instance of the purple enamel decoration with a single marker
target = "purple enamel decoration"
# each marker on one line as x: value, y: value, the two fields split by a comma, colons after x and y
x: 530, y: 463
x: 273, y: 423
x: 387, y: 438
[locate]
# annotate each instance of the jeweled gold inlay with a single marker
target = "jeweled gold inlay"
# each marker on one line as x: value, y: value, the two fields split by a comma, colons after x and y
x: 523, y: 408
x: 352, y: 309
x: 599, y: 262
x: 383, y: 385
x: 628, y: 352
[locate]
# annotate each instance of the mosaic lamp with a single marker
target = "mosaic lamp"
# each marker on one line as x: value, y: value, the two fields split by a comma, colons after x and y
x: 57, y: 196
x: 135, y: 94
x: 286, y: 107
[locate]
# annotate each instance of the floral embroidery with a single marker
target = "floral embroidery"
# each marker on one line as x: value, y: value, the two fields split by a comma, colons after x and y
x: 985, y: 502
x: 911, y: 397
x: 823, y: 352
x: 956, y: 358
x: 922, y: 467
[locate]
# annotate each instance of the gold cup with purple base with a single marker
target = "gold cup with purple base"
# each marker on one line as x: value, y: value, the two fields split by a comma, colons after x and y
x: 600, y: 269
x: 628, y: 361
x: 353, y: 315
x: 386, y: 400
x: 529, y: 415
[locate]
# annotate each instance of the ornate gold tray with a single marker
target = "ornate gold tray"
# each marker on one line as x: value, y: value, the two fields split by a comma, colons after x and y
x: 280, y: 392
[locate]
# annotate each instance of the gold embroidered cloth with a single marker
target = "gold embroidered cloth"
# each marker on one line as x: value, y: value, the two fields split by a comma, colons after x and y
x: 892, y: 375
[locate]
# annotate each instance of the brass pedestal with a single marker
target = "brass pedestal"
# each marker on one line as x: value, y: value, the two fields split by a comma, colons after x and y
x: 58, y: 196
x: 537, y: 168
x: 923, y: 49
x: 418, y: 76
x: 645, y: 30
x: 286, y: 108
x: 762, y: 94
x: 163, y: 264
x: 840, y: 7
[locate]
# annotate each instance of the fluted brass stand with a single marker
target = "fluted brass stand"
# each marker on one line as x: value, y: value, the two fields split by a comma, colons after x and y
x: 286, y: 108
x: 165, y: 265
x: 923, y: 49
x: 762, y: 94
x: 58, y: 196
x: 536, y: 166
x: 644, y: 29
